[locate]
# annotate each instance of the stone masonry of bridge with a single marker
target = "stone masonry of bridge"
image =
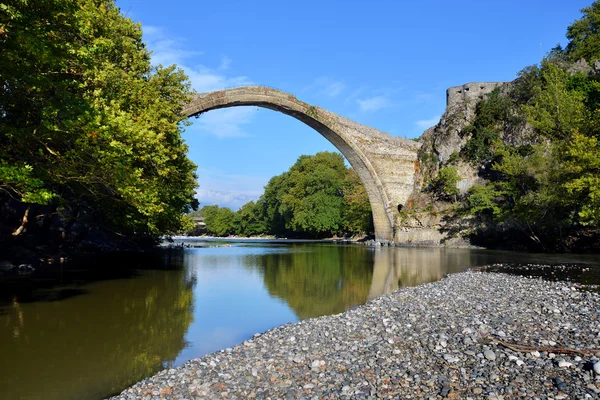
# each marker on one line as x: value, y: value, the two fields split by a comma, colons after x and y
x: 385, y: 164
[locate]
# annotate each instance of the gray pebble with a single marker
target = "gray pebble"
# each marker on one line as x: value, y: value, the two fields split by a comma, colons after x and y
x: 490, y: 355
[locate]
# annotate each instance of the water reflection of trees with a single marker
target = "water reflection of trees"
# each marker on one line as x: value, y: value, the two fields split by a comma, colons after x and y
x: 319, y: 281
x: 98, y: 343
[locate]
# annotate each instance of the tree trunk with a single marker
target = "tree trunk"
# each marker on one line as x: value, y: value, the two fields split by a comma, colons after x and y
x: 24, y: 221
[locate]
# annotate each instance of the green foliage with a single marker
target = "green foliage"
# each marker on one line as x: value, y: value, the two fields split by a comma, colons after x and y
x: 312, y: 112
x: 428, y: 162
x: 273, y: 209
x: 551, y: 188
x: 317, y: 197
x: 555, y: 110
x: 454, y: 158
x: 492, y: 115
x: 249, y: 220
x: 523, y: 87
x: 582, y: 178
x: 19, y: 180
x: 584, y: 35
x: 484, y: 199
x: 219, y: 221
x: 480, y: 147
x: 85, y: 120
x: 444, y: 186
x: 494, y: 109
x: 356, y: 214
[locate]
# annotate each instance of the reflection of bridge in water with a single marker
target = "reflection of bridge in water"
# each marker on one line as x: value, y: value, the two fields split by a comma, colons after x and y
x: 394, y: 268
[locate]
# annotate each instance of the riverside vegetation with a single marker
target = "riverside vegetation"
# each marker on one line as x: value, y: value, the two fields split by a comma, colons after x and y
x: 90, y: 145
x: 317, y: 197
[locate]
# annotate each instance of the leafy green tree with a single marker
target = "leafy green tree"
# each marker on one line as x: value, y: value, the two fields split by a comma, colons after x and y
x: 549, y: 189
x: 273, y: 210
x: 582, y: 172
x: 219, y: 221
x: 584, y: 35
x: 444, y: 186
x: 357, y: 214
x: 315, y: 195
x: 249, y: 220
x: 493, y: 115
x: 86, y: 122
x: 555, y: 110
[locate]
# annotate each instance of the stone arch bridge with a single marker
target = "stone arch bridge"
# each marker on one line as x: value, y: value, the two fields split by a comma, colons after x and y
x: 385, y: 164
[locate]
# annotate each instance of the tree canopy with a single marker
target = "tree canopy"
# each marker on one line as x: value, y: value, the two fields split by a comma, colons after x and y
x: 87, y: 123
x: 317, y: 197
x: 583, y: 35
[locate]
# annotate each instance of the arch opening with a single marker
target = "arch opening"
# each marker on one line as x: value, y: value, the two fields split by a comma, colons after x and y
x: 328, y: 124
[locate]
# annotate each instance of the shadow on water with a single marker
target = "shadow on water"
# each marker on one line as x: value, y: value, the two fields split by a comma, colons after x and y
x: 585, y: 274
x: 87, y: 334
x: 56, y: 282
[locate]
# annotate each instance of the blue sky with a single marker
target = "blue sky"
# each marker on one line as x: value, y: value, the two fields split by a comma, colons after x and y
x: 383, y: 63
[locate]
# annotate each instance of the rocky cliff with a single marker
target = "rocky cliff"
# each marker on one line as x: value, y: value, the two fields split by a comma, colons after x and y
x: 427, y: 220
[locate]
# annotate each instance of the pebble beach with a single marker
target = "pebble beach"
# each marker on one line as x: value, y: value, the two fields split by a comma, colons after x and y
x: 471, y: 335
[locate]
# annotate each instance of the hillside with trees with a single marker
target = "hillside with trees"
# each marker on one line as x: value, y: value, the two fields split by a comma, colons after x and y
x: 90, y: 133
x: 317, y: 197
x: 530, y: 154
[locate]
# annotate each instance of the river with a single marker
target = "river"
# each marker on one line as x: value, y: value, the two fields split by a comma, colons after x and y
x: 89, y: 331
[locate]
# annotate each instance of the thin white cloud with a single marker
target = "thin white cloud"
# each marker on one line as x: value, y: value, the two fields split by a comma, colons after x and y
x: 428, y: 123
x: 225, y: 122
x: 206, y: 80
x: 423, y: 97
x: 228, y: 190
x: 225, y: 63
x: 168, y: 50
x: 373, y: 103
x: 233, y: 199
x: 326, y: 86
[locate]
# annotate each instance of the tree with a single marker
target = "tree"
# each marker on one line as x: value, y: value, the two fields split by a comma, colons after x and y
x: 357, y: 214
x: 315, y: 195
x: 582, y: 173
x: 584, y: 35
x: 249, y: 220
x: 219, y: 221
x: 550, y: 188
x: 554, y: 109
x: 444, y: 186
x: 274, y: 211
x: 87, y: 123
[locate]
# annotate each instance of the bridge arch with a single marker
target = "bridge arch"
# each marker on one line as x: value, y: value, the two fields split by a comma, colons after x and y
x: 349, y: 137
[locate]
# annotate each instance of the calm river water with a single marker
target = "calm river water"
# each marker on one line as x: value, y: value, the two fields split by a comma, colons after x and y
x: 89, y: 332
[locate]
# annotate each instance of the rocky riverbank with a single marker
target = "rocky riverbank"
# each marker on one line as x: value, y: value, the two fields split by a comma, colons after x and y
x: 471, y: 335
